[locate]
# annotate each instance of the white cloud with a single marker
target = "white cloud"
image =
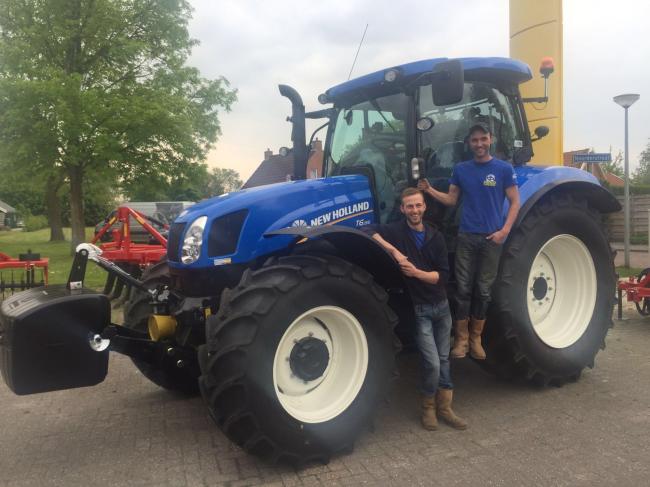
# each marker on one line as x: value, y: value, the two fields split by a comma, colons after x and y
x: 310, y: 46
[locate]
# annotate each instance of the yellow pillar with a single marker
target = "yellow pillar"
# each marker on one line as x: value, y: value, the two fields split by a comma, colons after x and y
x: 536, y: 32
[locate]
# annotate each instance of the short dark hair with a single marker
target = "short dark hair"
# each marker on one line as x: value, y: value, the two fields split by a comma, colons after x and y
x: 410, y: 192
x: 479, y: 127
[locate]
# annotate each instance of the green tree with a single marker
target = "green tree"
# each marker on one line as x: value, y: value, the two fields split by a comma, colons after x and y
x: 221, y: 181
x: 642, y: 173
x: 616, y: 166
x: 192, y: 183
x: 95, y: 89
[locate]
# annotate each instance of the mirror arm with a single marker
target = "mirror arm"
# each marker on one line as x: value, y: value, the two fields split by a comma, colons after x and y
x: 325, y: 113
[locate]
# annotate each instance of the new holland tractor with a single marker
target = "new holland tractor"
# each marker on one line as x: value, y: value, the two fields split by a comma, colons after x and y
x: 282, y: 312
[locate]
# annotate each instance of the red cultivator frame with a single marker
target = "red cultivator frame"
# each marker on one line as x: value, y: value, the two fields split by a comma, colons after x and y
x: 130, y: 256
x: 637, y: 290
x: 22, y: 272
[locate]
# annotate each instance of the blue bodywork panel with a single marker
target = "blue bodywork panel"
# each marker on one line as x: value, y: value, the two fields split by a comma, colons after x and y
x: 341, y: 200
x: 507, y: 69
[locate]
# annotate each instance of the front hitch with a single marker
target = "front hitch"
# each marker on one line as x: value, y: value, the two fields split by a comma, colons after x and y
x: 58, y: 337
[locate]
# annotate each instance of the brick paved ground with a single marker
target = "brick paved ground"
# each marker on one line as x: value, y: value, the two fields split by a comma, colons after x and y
x: 128, y: 432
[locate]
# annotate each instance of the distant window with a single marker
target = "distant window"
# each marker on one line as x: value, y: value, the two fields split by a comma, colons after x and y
x: 313, y: 174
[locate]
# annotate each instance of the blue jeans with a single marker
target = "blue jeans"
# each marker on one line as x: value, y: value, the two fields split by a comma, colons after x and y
x: 433, y: 330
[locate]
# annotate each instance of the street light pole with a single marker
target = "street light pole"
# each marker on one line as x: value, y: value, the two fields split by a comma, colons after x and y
x: 626, y: 102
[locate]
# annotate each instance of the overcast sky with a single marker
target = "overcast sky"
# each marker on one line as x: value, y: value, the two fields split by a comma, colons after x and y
x: 257, y: 45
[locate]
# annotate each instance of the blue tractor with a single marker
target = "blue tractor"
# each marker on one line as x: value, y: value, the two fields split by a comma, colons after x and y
x: 282, y: 312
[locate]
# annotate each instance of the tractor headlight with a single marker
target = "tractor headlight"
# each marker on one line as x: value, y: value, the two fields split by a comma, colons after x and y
x: 193, y: 241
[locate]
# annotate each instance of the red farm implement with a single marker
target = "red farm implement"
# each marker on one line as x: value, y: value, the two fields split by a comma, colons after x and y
x: 25, y: 272
x: 637, y: 290
x: 128, y: 255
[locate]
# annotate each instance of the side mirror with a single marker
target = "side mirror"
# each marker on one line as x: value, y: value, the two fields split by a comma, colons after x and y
x: 448, y: 81
x: 522, y: 155
x: 541, y: 131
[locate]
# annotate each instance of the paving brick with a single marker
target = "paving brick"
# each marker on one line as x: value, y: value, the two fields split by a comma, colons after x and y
x: 129, y: 432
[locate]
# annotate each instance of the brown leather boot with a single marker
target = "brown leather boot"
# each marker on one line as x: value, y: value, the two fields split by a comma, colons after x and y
x: 443, y: 404
x: 429, y: 419
x: 461, y: 337
x: 475, y: 347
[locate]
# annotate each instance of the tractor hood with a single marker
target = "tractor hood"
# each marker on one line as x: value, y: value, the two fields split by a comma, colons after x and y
x: 236, y: 223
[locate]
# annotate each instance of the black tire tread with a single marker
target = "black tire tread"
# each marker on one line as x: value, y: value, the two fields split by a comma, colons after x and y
x: 506, y: 357
x: 233, y: 328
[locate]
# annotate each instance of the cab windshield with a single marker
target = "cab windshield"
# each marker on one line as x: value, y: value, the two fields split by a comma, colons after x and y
x: 373, y: 134
x: 444, y: 144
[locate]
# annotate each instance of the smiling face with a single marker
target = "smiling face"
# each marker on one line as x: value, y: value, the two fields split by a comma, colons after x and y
x: 413, y: 207
x: 479, y: 143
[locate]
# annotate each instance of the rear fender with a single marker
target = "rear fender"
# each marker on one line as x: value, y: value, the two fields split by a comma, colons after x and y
x: 598, y: 197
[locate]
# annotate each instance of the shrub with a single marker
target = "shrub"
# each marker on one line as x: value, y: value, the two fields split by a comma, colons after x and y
x: 35, y: 222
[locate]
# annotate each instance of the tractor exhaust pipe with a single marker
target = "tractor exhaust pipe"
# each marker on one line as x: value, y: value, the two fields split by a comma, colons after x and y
x: 297, y: 118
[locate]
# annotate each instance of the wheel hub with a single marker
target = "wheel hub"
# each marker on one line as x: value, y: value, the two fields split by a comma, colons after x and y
x: 320, y: 364
x: 309, y: 358
x: 540, y: 288
x: 561, y: 291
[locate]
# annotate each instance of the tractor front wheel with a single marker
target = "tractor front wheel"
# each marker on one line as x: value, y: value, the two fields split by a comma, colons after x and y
x: 298, y: 358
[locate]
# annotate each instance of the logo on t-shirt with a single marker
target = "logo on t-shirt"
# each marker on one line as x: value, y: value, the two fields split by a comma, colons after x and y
x: 490, y: 180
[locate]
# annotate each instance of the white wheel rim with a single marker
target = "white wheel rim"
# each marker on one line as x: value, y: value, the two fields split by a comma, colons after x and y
x: 323, y: 398
x: 561, y: 295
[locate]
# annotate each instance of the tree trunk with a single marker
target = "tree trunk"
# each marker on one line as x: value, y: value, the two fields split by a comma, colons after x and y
x: 53, y: 206
x: 76, y: 206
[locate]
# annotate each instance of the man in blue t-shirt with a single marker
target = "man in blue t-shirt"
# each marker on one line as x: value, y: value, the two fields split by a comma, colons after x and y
x: 485, y: 183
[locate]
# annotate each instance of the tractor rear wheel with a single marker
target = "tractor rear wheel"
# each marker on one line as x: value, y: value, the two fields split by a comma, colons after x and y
x: 136, y: 314
x: 555, y: 294
x: 298, y: 358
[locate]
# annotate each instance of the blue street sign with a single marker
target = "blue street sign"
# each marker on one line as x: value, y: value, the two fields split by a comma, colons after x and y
x: 593, y: 158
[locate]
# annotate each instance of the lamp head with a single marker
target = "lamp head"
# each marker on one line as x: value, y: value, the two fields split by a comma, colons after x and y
x: 626, y: 100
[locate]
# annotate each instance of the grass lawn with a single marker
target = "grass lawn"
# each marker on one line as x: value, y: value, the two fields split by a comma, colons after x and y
x: 17, y: 242
x: 627, y: 271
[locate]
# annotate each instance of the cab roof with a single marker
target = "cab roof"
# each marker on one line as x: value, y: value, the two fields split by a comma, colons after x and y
x: 493, y: 69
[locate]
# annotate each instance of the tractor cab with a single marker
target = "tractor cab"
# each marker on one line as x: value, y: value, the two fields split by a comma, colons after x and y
x: 408, y: 122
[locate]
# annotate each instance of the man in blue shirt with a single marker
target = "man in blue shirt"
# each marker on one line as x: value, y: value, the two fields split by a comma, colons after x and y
x: 485, y: 183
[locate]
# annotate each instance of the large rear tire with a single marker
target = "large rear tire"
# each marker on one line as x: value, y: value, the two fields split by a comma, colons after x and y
x: 137, y: 310
x: 554, y: 297
x: 298, y: 358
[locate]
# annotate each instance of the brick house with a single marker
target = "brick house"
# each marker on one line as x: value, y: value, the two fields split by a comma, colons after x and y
x: 595, y: 169
x: 276, y: 168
